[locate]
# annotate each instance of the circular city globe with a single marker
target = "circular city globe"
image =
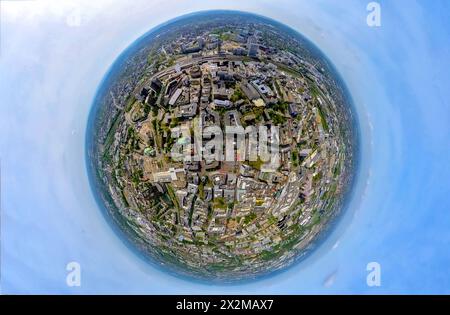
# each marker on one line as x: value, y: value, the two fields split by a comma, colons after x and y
x: 221, y: 144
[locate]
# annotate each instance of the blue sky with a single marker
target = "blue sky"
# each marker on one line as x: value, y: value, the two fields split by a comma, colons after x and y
x: 53, y: 55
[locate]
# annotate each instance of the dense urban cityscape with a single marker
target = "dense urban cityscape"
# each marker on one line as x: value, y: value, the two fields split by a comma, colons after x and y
x: 205, y: 215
